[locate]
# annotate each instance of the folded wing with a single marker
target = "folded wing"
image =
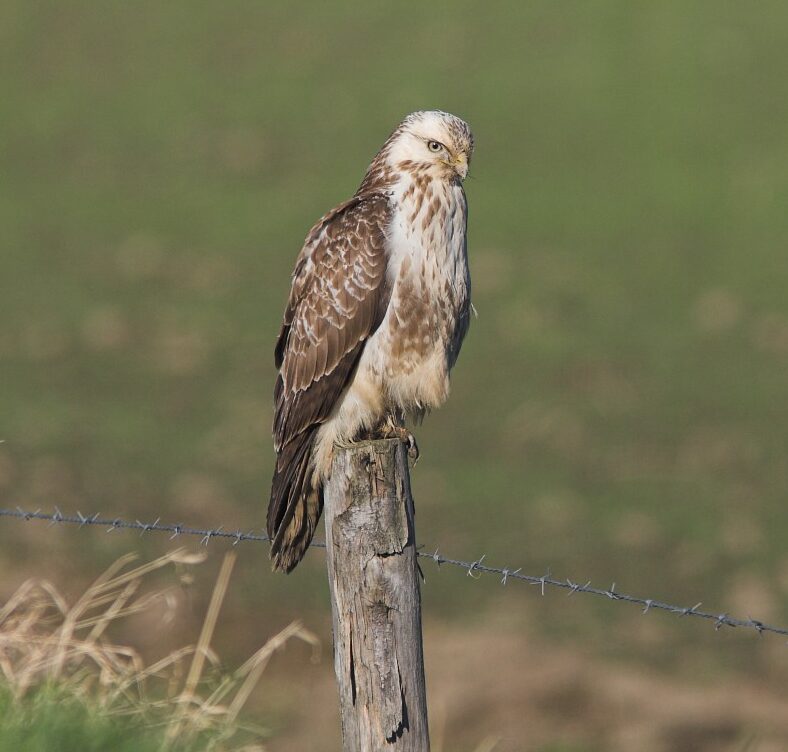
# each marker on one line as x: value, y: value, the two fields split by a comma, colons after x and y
x: 338, y: 299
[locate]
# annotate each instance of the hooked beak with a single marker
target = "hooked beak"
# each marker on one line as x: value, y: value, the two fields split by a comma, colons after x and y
x: 460, y: 165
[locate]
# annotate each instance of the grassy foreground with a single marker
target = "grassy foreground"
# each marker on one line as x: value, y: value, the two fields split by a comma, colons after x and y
x: 67, y: 685
x: 58, y: 721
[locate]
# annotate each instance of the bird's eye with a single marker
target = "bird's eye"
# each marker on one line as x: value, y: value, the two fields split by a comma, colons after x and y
x: 434, y: 145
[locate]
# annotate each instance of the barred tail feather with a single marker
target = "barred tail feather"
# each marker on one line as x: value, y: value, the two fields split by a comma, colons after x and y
x: 296, y: 504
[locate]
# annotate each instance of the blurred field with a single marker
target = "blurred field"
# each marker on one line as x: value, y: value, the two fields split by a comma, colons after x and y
x: 620, y: 408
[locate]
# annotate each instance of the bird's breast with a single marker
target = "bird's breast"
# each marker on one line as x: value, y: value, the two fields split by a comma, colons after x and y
x: 428, y: 275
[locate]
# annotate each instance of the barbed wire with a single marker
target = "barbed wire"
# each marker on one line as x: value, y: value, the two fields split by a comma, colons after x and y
x: 117, y: 523
x: 473, y: 569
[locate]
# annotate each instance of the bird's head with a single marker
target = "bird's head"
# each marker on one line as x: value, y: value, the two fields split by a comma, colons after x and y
x: 431, y: 139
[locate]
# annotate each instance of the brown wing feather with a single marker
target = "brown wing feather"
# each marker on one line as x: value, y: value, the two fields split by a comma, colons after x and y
x: 338, y: 299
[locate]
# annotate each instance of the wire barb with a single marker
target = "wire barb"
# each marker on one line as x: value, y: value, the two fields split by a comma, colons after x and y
x: 474, y: 569
x: 472, y: 566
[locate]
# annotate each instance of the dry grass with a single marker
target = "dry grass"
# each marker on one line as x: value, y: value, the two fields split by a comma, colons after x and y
x: 45, y: 641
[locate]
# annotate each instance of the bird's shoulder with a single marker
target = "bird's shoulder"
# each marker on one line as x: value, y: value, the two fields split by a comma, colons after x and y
x: 355, y: 229
x: 338, y: 289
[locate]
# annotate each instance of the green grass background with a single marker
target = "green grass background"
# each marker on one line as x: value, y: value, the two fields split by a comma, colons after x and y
x: 56, y: 720
x: 620, y: 408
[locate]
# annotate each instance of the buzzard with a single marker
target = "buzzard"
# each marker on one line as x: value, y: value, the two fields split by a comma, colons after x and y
x: 378, y: 309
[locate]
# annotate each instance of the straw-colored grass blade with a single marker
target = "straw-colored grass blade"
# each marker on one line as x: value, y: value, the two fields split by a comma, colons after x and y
x: 45, y: 639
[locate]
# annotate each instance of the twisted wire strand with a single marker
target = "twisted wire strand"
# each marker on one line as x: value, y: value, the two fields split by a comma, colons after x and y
x: 473, y: 569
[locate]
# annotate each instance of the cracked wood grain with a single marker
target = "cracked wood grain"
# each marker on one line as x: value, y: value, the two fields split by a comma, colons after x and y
x: 375, y: 599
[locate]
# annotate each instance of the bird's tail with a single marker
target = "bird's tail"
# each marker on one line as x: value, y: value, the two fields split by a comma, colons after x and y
x: 296, y: 504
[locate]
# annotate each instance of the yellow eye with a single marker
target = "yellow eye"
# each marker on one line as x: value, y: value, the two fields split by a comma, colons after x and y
x: 435, y: 146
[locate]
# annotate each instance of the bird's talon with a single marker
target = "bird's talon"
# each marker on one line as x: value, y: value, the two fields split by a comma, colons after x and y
x: 393, y: 431
x: 413, y: 448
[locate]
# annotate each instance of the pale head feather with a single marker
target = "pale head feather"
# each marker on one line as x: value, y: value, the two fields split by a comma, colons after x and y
x: 438, y: 141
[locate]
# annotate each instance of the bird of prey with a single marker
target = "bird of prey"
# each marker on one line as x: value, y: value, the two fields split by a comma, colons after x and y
x: 378, y: 309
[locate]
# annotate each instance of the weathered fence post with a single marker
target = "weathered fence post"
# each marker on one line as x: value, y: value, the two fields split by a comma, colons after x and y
x: 375, y: 600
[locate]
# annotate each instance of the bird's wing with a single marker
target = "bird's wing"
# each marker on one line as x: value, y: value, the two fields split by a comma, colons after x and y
x: 338, y: 299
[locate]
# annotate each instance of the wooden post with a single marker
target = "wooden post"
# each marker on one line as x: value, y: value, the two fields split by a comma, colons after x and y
x: 375, y: 599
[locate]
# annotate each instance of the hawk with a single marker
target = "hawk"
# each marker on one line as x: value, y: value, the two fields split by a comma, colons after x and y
x: 378, y: 309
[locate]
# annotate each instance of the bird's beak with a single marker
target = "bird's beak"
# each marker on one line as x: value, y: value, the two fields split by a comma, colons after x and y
x: 460, y: 165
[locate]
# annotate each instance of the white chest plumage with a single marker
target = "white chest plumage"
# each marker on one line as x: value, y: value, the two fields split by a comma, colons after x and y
x: 406, y: 362
x: 413, y: 350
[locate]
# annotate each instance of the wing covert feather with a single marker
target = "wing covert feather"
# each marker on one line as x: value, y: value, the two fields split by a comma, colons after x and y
x: 338, y: 298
